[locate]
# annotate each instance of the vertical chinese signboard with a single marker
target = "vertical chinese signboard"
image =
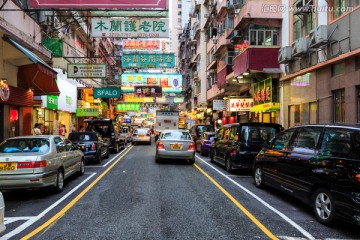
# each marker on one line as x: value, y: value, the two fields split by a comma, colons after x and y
x: 262, y: 92
x: 130, y: 27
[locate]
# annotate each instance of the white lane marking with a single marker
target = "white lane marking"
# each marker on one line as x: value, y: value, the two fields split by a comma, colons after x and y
x: 43, y: 213
x: 14, y: 219
x: 237, y: 176
x: 283, y: 216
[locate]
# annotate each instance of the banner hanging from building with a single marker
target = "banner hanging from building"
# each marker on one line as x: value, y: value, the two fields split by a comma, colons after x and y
x: 219, y: 105
x: 107, y: 93
x: 147, y: 60
x: 87, y: 112
x: 130, y: 27
x: 123, y: 4
x: 240, y: 104
x: 128, y: 107
x: 142, y: 44
x: 81, y: 70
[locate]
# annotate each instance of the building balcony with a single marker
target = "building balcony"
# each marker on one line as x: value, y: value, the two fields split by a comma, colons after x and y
x: 222, y: 8
x: 256, y: 59
x: 254, y: 9
x: 221, y: 75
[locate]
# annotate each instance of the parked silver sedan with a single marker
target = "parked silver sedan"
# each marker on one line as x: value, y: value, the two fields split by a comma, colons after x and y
x: 2, y: 215
x: 38, y: 161
x: 175, y: 144
x: 141, y: 135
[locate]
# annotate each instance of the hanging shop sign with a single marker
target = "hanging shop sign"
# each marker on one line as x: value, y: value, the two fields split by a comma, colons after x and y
x: 130, y: 27
x: 79, y: 70
x: 55, y: 45
x: 146, y: 60
x: 141, y: 44
x: 240, y: 104
x: 128, y: 107
x: 148, y: 91
x: 263, y: 92
x: 124, y: 4
x: 170, y: 83
x: 132, y: 98
x: 107, y: 93
x: 159, y: 14
x: 169, y: 99
x: 87, y: 112
x: 52, y: 102
x: 219, y: 105
x: 272, y: 106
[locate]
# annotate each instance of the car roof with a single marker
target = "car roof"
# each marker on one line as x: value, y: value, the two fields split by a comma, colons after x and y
x: 33, y: 136
x: 175, y: 130
x: 252, y: 124
x: 347, y: 126
x: 95, y: 120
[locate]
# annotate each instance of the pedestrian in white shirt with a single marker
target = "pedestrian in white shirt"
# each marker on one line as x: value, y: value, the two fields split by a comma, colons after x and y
x: 36, y: 130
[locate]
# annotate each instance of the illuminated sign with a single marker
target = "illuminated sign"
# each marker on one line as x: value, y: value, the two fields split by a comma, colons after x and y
x: 141, y: 45
x: 170, y: 83
x: 130, y: 27
x: 262, y: 91
x: 219, y: 105
x: 128, y: 107
x: 148, y: 91
x: 87, y: 112
x: 107, y: 92
x: 132, y: 98
x: 78, y: 70
x: 146, y: 60
x: 240, y: 104
x: 52, y: 102
x: 124, y: 4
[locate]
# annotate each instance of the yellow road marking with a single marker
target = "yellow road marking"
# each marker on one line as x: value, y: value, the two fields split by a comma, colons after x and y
x: 72, y: 203
x: 241, y: 207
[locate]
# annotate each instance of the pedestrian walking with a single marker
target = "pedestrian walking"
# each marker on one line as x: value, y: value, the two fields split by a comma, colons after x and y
x: 62, y: 130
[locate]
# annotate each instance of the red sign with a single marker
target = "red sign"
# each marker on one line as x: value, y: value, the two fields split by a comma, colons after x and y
x: 240, y: 104
x: 124, y: 4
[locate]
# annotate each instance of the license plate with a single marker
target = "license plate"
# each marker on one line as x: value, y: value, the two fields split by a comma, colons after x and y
x: 10, y: 166
x: 141, y: 135
x: 83, y: 147
x: 176, y: 146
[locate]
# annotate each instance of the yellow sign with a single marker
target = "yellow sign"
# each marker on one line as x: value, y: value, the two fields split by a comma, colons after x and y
x: 132, y: 98
x: 266, y: 107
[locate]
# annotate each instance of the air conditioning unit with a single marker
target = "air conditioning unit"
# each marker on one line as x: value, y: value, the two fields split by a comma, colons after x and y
x: 299, y: 47
x: 284, y: 55
x: 319, y: 36
x: 206, y: 15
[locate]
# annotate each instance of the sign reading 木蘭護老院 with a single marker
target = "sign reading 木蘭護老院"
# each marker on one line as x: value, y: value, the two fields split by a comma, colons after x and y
x: 87, y: 112
x: 79, y: 70
x: 107, y: 93
x: 219, y: 105
x: 146, y: 60
x: 124, y: 4
x: 130, y: 27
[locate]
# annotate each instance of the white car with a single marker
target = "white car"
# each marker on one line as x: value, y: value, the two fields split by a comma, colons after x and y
x: 2, y: 214
x: 141, y: 135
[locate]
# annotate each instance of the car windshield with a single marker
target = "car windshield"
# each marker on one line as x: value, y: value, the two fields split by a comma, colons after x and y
x: 206, y: 129
x: 258, y: 133
x: 176, y: 135
x: 81, y: 136
x: 21, y: 145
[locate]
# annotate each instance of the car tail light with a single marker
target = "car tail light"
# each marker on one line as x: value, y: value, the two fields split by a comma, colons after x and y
x: 134, y: 135
x: 233, y: 152
x: 357, y: 177
x: 35, y: 164
x: 192, y: 146
x: 148, y: 135
x: 93, y: 146
x: 160, y: 145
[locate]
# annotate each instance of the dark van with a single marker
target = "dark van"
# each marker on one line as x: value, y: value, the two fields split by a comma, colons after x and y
x: 236, y: 145
x: 197, y: 130
x: 317, y: 164
x: 105, y: 127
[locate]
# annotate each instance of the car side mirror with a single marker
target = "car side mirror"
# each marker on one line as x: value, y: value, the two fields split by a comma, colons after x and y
x: 61, y: 147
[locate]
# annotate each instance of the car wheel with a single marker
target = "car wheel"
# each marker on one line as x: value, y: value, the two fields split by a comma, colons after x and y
x: 201, y: 151
x: 132, y: 143
x: 98, y: 158
x: 107, y: 153
x: 59, y: 184
x: 157, y: 159
x: 117, y: 149
x: 192, y: 161
x: 211, y: 156
x: 150, y: 142
x: 258, y: 177
x: 323, y: 206
x: 228, y: 166
x: 82, y: 167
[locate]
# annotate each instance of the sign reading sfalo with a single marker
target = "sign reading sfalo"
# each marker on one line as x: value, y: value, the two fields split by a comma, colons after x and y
x: 107, y: 93
x: 240, y: 104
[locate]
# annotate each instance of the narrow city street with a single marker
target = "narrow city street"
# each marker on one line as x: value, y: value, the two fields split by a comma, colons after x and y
x: 129, y: 196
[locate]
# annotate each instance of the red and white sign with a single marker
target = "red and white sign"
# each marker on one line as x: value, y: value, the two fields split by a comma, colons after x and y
x: 123, y: 4
x: 240, y: 104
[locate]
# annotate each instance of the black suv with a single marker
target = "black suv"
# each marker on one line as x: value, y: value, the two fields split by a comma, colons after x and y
x: 105, y: 127
x: 317, y: 164
x: 236, y: 145
x: 196, y: 131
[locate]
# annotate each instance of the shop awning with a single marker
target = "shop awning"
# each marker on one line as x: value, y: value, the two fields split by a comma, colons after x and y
x: 39, y: 76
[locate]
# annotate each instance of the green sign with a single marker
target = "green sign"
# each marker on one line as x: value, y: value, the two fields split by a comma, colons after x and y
x: 87, y: 112
x: 55, y: 45
x: 52, y: 102
x: 128, y: 107
x: 263, y: 92
x: 146, y: 60
x: 106, y: 92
